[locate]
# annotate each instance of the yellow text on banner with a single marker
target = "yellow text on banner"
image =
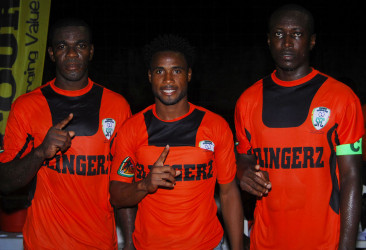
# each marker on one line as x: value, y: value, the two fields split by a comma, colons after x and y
x: 23, y: 40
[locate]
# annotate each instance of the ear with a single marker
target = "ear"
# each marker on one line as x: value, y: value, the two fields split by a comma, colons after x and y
x: 312, y: 41
x: 268, y: 40
x: 149, y: 75
x: 50, y: 53
x: 91, y: 52
x: 189, y: 74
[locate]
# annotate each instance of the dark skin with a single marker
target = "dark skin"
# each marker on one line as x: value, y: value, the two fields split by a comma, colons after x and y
x: 169, y: 84
x: 169, y: 76
x: 169, y: 80
x: 19, y: 172
x: 290, y: 42
x: 127, y: 218
x: 71, y: 51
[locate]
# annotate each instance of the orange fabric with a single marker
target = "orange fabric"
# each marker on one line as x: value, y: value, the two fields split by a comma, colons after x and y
x: 297, y: 214
x: 183, y: 217
x: 71, y: 208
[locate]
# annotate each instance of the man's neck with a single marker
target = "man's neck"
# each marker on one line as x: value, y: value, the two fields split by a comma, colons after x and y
x: 71, y: 85
x: 171, y: 112
x: 292, y: 75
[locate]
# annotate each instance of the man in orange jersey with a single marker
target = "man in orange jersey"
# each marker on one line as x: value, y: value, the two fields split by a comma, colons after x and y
x: 299, y: 137
x: 176, y: 151
x: 59, y: 137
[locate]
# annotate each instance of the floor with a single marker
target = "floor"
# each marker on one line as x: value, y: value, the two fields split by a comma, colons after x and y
x: 11, y: 241
x: 14, y: 241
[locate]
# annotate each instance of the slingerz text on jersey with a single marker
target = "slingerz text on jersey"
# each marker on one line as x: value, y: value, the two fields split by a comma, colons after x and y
x: 87, y: 165
x: 290, y: 157
x: 190, y: 172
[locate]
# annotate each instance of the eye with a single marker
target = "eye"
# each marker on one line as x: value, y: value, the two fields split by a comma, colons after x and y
x: 158, y: 71
x: 177, y: 71
x: 60, y: 46
x: 83, y: 45
x: 297, y: 34
x: 278, y: 34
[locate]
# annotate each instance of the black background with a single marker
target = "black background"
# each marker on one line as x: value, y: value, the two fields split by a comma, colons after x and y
x: 230, y: 38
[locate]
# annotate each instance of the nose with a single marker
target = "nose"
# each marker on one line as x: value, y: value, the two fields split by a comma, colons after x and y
x: 71, y: 52
x: 168, y: 77
x: 288, y: 43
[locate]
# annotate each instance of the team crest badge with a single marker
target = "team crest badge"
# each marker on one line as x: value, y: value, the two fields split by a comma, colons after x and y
x: 108, y: 125
x: 207, y: 145
x: 127, y: 168
x: 320, y: 117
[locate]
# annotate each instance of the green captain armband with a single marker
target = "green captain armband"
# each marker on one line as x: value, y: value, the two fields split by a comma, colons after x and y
x: 350, y: 149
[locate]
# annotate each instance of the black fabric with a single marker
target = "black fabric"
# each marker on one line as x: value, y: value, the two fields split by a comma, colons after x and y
x: 85, y: 109
x: 178, y: 133
x: 286, y: 107
x: 334, y: 201
x: 249, y: 136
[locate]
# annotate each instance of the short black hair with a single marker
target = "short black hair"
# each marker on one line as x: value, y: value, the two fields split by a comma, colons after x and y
x: 169, y: 42
x: 67, y: 22
x: 293, y: 7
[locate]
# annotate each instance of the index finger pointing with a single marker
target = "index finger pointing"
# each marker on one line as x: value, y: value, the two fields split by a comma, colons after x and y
x: 64, y: 122
x: 162, y: 157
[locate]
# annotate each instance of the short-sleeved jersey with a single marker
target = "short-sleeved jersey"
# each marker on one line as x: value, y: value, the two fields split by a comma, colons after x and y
x: 293, y: 129
x: 70, y: 208
x: 201, y: 146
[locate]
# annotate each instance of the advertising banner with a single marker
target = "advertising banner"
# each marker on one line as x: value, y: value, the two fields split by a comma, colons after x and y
x: 23, y: 40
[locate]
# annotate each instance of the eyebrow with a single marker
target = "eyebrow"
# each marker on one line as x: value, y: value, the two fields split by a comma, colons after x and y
x: 77, y: 42
x: 174, y: 67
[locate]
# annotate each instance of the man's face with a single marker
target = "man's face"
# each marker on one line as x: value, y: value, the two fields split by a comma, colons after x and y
x: 71, y: 51
x: 169, y: 77
x: 290, y: 41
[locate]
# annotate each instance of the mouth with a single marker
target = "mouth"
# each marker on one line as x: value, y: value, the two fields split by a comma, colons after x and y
x: 72, y: 65
x: 168, y: 91
x: 287, y: 55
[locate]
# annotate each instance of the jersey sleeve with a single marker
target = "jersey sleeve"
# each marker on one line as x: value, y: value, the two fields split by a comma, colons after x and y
x: 224, y: 154
x: 243, y: 145
x: 123, y: 152
x: 18, y: 140
x: 351, y: 123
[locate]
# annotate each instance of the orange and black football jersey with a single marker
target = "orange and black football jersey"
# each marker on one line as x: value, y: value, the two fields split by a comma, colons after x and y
x: 70, y: 208
x: 293, y: 129
x: 201, y: 146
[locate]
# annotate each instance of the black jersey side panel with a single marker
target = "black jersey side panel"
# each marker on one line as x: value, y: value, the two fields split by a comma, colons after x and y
x: 85, y: 109
x: 285, y: 107
x: 178, y: 133
x: 334, y: 201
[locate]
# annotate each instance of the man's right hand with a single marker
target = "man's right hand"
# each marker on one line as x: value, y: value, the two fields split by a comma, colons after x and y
x: 56, y: 140
x: 160, y: 175
x: 252, y: 179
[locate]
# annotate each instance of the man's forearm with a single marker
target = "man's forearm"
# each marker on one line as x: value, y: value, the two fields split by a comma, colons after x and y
x: 350, y: 199
x: 126, y: 217
x: 232, y: 212
x: 126, y: 194
x: 350, y: 213
x: 19, y: 172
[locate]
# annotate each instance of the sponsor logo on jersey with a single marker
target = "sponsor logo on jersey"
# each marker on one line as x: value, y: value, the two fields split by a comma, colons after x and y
x: 127, y: 168
x: 320, y: 117
x: 207, y: 145
x: 108, y: 125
